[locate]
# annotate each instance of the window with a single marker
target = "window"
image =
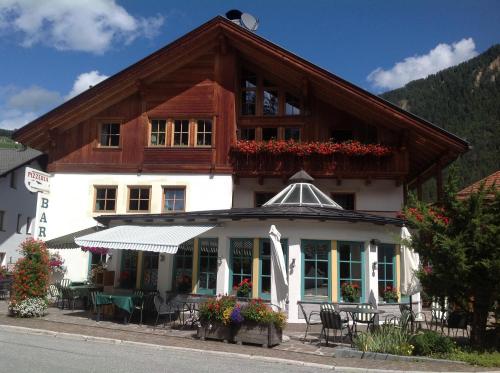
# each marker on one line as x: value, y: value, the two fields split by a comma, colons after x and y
x: 139, y: 198
x: 2, y: 217
x: 342, y: 135
x: 19, y: 223
x: 174, y: 199
x: 351, y: 264
x: 208, y: 265
x: 13, y: 180
x: 150, y: 270
x: 204, y: 132
x: 263, y: 197
x: 292, y: 105
x: 128, y: 272
x: 181, y: 132
x: 316, y: 269
x: 110, y: 135
x: 345, y: 200
x: 386, y: 259
x: 248, y: 92
x: 292, y: 134
x: 269, y: 133
x: 247, y: 134
x: 241, y: 260
x: 28, y: 225
x: 105, y: 199
x: 183, y: 267
x: 270, y: 99
x: 265, y: 265
x: 158, y: 132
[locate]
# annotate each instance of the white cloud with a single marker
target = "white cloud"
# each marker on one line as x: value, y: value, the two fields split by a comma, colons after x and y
x: 84, y: 81
x: 88, y: 26
x: 19, y: 106
x: 418, y: 67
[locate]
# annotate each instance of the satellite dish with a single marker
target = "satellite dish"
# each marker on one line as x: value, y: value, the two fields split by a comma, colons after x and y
x: 249, y: 22
x: 234, y: 14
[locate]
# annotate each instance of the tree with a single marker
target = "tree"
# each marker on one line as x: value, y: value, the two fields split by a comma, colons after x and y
x: 459, y: 246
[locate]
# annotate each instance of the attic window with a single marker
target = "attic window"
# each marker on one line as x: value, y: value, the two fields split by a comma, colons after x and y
x: 292, y: 105
x: 110, y: 135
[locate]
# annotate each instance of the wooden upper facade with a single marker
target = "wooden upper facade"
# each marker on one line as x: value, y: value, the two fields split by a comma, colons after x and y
x: 183, y: 107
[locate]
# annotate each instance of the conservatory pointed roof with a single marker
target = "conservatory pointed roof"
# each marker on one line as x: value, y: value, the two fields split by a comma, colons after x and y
x: 302, y: 193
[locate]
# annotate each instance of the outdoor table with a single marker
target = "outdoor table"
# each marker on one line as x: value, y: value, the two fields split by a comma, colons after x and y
x: 190, y: 304
x: 83, y: 291
x: 124, y: 302
x: 353, y: 311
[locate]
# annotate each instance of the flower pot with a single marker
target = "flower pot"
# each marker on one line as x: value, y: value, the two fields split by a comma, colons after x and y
x: 215, y: 330
x: 266, y: 335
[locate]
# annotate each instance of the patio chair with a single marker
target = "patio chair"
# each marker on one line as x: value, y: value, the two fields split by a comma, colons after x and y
x: 331, y: 319
x: 163, y: 309
x: 55, y: 295
x: 70, y: 297
x: 439, y: 313
x: 309, y: 318
x: 364, y: 318
x: 92, y: 303
x: 65, y: 282
x: 140, y: 304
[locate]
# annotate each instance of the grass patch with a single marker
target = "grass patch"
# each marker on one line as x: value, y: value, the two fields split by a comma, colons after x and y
x: 484, y: 359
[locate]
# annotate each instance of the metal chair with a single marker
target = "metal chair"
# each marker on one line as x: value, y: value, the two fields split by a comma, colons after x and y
x: 439, y: 312
x: 55, y: 295
x: 65, y: 282
x: 93, y: 303
x: 70, y: 297
x: 458, y: 320
x: 331, y: 319
x: 140, y: 304
x: 163, y: 309
x: 364, y: 318
x: 309, y: 319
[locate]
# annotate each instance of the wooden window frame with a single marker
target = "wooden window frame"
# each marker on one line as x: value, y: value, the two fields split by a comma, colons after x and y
x: 100, y: 124
x: 233, y: 257
x: 129, y: 187
x: 2, y: 220
x: 94, y: 200
x: 172, y: 140
x: 163, y: 199
x: 208, y: 257
x: 195, y: 137
x: 351, y: 262
x: 150, y: 132
x: 180, y: 257
x: 315, y: 277
x: 385, y: 280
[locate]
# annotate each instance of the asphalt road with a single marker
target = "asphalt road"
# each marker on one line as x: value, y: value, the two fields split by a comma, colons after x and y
x: 25, y: 352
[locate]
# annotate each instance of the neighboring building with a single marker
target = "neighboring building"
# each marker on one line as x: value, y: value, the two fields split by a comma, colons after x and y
x: 490, y: 181
x: 157, y: 142
x: 17, y: 204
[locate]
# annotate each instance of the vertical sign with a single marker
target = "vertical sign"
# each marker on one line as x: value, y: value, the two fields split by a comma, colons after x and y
x: 38, y: 182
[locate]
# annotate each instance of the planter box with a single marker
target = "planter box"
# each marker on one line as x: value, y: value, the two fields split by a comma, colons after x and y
x: 217, y: 331
x: 261, y: 334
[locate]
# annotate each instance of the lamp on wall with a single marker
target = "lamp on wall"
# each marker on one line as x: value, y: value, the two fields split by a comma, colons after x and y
x: 162, y: 257
x: 219, y: 260
x: 292, y: 265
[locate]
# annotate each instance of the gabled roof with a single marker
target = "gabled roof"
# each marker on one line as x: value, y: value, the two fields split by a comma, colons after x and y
x: 492, y: 180
x: 11, y: 158
x: 206, y: 38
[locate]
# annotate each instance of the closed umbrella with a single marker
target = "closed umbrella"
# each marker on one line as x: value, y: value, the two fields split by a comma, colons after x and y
x: 410, y: 283
x: 279, y: 282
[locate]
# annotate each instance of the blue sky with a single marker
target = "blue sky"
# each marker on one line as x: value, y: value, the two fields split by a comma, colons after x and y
x: 53, y: 49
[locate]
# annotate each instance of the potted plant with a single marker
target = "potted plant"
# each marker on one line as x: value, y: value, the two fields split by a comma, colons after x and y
x: 390, y: 294
x: 243, y: 289
x: 215, y: 318
x: 350, y: 292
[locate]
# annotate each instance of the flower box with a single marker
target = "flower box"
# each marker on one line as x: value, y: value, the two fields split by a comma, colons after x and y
x: 215, y: 330
x: 266, y: 335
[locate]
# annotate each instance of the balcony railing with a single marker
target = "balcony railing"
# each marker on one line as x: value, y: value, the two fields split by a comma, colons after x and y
x: 357, y: 161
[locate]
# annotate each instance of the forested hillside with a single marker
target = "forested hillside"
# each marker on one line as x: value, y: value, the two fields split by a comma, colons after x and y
x: 465, y: 100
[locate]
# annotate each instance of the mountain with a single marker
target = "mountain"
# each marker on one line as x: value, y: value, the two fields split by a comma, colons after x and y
x: 464, y: 100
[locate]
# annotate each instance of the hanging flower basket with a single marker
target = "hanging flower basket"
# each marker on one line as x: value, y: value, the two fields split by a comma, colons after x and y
x: 96, y: 250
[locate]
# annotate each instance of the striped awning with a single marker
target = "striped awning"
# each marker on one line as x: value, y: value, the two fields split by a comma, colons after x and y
x: 161, y: 239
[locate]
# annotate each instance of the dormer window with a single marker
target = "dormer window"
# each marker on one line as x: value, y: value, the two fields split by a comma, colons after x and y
x: 181, y: 132
x: 292, y: 105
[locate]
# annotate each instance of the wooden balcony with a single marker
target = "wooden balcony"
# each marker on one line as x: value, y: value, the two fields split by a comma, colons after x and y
x: 393, y: 166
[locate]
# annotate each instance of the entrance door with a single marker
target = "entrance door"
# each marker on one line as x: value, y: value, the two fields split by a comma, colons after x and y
x: 128, y: 272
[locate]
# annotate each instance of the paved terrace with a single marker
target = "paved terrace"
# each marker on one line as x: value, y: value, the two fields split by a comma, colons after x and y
x: 78, y: 322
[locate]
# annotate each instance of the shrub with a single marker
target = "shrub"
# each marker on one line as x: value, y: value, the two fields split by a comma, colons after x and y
x: 431, y: 343
x: 387, y: 339
x: 29, y: 307
x: 31, y: 272
x: 217, y: 310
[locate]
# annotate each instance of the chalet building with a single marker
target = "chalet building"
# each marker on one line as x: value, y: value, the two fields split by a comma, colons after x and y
x: 17, y: 204
x: 178, y: 152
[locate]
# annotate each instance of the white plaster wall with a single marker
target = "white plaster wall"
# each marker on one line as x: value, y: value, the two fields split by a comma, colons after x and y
x: 295, y: 231
x: 13, y: 202
x: 72, y: 201
x: 74, y: 261
x: 378, y: 196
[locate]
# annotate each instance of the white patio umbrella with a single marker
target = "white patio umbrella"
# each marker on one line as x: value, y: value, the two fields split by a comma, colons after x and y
x: 410, y: 283
x: 279, y: 282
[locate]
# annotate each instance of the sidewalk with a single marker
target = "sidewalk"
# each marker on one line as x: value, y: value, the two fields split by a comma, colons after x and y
x: 77, y: 322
